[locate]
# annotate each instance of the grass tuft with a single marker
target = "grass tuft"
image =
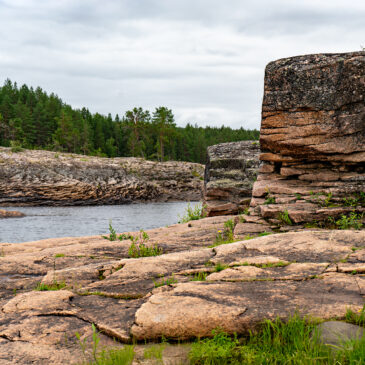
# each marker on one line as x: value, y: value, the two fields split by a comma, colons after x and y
x: 193, y: 213
x: 54, y: 286
x: 163, y: 282
x: 292, y: 342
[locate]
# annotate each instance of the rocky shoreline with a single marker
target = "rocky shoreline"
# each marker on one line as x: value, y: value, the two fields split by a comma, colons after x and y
x: 231, y: 272
x: 32, y: 177
x: 179, y: 295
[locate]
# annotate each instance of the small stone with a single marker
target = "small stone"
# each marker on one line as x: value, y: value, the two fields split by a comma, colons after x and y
x: 336, y: 333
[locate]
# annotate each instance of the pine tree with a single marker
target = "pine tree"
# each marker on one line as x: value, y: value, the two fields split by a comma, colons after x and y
x: 163, y: 121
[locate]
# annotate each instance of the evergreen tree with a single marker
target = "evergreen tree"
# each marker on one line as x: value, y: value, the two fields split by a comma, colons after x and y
x: 136, y: 122
x: 163, y: 121
x: 34, y: 119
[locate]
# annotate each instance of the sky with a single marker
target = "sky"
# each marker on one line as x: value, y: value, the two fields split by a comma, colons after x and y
x: 204, y: 59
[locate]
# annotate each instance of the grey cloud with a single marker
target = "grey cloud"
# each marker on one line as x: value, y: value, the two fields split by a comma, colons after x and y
x: 205, y: 59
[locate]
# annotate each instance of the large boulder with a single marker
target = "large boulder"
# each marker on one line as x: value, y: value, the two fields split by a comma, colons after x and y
x: 230, y: 172
x: 313, y: 137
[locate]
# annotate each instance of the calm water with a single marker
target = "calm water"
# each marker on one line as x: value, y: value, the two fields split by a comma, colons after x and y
x: 51, y: 222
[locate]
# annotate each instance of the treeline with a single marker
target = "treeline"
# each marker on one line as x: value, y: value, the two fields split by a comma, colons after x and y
x: 33, y: 119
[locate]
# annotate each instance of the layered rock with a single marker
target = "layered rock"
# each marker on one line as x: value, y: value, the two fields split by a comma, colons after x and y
x: 312, y: 138
x: 10, y: 214
x: 230, y: 172
x: 49, y: 178
x: 316, y: 273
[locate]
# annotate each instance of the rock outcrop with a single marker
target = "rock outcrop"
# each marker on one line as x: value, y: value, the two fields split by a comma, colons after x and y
x: 230, y: 172
x: 10, y: 214
x: 319, y: 273
x: 312, y: 138
x: 49, y: 178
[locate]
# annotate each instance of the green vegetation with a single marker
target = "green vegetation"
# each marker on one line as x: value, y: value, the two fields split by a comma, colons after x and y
x: 15, y: 147
x: 262, y: 234
x: 112, y: 233
x: 31, y: 118
x: 163, y: 282
x: 112, y: 356
x: 284, y: 217
x: 200, y: 276
x: 276, y: 342
x: 225, y: 236
x: 154, y: 352
x: 138, y: 247
x: 358, y: 199
x: 352, y: 220
x: 292, y: 342
x: 269, y: 198
x: 220, y: 267
x: 59, y: 255
x: 193, y: 213
x: 268, y: 265
x: 356, y: 318
x: 54, y: 286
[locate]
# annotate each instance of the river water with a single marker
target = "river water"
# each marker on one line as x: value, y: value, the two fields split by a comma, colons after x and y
x: 52, y: 222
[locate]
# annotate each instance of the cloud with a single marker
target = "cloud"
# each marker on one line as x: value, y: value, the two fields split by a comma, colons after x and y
x: 204, y: 59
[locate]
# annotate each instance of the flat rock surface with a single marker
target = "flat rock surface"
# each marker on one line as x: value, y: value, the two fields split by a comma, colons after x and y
x: 184, y: 293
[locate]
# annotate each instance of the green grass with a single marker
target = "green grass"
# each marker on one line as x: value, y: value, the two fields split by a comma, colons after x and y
x: 154, y: 352
x: 163, y: 282
x: 268, y: 265
x: 292, y: 342
x: 138, y: 247
x: 200, y: 276
x: 269, y: 200
x: 262, y: 234
x: 141, y: 250
x: 54, y: 286
x: 115, y: 356
x: 59, y: 255
x: 284, y: 217
x: 220, y: 267
x: 226, y: 235
x: 193, y: 213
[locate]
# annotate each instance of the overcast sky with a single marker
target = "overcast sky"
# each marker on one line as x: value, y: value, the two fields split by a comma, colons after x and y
x: 204, y: 59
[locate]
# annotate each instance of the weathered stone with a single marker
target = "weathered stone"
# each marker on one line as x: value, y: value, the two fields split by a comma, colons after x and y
x: 230, y: 172
x: 10, y: 214
x: 48, y: 178
x: 336, y: 333
x: 313, y: 135
x: 266, y: 277
x: 243, y: 230
x: 238, y: 307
